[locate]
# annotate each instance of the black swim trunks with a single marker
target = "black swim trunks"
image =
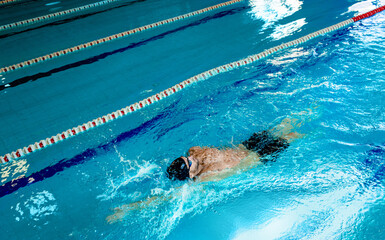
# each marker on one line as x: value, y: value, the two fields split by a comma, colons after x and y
x: 264, y: 143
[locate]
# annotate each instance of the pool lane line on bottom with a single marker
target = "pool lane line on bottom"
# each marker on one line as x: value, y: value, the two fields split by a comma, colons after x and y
x: 51, y: 16
x: 124, y: 34
x: 132, y: 45
x: 68, y: 19
x: 170, y: 91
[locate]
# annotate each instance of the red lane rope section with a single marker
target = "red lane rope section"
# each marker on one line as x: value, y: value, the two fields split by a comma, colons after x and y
x: 369, y: 14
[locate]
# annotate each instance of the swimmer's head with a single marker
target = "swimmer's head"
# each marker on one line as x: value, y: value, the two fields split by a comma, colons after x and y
x: 178, y: 170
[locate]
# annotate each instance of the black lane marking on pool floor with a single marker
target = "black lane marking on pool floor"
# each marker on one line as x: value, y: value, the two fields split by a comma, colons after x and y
x: 81, y: 158
x: 96, y: 58
x: 68, y: 20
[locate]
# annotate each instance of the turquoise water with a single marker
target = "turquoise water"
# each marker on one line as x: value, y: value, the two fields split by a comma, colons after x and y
x: 327, y: 185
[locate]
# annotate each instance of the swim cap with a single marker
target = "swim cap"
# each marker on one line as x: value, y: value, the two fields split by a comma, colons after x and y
x: 178, y: 170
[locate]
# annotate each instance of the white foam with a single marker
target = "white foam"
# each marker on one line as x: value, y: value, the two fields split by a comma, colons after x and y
x: 365, y: 6
x: 271, y: 11
x: 135, y: 175
x: 285, y: 30
x: 343, y: 207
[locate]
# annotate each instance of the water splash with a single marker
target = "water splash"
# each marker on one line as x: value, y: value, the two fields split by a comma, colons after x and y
x: 137, y: 174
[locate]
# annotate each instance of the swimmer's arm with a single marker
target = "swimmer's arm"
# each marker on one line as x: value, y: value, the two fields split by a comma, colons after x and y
x: 121, y: 211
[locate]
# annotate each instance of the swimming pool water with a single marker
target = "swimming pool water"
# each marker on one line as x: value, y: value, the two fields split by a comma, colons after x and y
x: 327, y: 185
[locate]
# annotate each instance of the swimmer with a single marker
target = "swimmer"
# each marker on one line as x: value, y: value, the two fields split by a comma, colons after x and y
x: 213, y: 164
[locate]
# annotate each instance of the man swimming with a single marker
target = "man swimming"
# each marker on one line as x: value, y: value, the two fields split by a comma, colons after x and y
x: 207, y: 164
x: 213, y: 164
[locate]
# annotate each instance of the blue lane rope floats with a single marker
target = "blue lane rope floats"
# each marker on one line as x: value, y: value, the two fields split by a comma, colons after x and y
x: 168, y: 92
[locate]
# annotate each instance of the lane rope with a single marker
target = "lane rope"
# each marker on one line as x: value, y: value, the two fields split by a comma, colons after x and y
x: 52, y: 15
x: 170, y: 91
x: 112, y: 37
x: 8, y: 1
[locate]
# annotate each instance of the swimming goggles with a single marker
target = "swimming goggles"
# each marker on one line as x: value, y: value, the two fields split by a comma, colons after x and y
x: 188, y: 163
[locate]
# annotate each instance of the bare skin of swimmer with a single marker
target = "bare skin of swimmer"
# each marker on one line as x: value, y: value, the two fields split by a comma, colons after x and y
x: 213, y: 164
x: 207, y: 162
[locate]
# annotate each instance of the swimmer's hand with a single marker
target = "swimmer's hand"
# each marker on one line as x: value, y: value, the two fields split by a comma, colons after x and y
x: 120, y: 212
x: 117, y: 216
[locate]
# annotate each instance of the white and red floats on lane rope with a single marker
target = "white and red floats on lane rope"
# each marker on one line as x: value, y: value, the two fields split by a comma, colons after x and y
x: 111, y: 38
x: 52, y: 15
x: 8, y: 1
x: 170, y: 91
